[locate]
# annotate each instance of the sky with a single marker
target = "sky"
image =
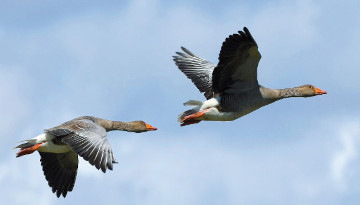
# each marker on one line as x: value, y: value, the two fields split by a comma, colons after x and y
x: 113, y: 60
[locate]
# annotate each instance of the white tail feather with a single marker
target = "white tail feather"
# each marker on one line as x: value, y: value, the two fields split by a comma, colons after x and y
x: 24, y: 145
x: 193, y: 103
x: 28, y: 143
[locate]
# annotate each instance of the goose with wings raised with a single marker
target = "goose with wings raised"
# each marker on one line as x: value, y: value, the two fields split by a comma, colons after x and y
x: 231, y: 87
x: 85, y: 136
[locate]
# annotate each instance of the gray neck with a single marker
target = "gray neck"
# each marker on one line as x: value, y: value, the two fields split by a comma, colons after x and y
x: 268, y: 93
x: 117, y: 125
x: 289, y: 92
x: 111, y: 125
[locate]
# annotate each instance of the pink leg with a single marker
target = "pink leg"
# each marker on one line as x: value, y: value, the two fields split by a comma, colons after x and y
x: 28, y: 150
x: 194, y: 116
x: 192, y: 119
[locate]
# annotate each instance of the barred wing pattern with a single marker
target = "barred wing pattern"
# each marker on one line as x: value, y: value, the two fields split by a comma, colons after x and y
x: 88, y: 140
x: 197, y: 69
x: 93, y: 149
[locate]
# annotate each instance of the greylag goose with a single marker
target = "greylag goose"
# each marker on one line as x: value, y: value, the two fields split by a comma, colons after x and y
x: 231, y: 87
x: 85, y: 136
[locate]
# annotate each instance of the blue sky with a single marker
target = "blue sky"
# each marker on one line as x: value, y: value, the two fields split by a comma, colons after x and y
x: 112, y: 59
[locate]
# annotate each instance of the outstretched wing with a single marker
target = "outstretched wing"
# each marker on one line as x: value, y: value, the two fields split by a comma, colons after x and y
x: 88, y: 140
x: 197, y: 69
x: 238, y: 61
x: 60, y: 170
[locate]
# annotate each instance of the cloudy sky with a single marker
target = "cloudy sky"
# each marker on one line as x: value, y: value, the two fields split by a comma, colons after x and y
x: 113, y: 59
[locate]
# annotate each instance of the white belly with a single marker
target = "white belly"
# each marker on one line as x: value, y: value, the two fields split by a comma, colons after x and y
x: 213, y: 114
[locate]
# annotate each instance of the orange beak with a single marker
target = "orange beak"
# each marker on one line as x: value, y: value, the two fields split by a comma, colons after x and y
x: 319, y: 92
x: 28, y: 150
x: 149, y: 127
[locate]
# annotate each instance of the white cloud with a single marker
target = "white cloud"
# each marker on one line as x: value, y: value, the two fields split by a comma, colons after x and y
x: 349, y: 135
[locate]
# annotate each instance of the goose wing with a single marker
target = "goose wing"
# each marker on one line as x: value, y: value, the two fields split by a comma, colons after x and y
x: 236, y: 71
x: 198, y: 70
x: 88, y: 140
x: 60, y: 170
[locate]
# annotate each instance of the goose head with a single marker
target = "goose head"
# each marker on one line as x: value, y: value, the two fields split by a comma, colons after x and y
x: 309, y: 91
x: 301, y: 91
x: 140, y: 126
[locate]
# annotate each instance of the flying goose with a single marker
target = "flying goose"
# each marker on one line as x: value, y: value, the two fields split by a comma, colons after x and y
x: 231, y: 87
x: 85, y: 136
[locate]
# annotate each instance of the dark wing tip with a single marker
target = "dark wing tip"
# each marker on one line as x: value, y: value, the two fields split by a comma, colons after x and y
x: 248, y: 35
x: 185, y: 55
x: 110, y: 166
x: 242, y: 34
x: 179, y: 56
x: 187, y: 51
x: 246, y: 30
x: 60, y: 192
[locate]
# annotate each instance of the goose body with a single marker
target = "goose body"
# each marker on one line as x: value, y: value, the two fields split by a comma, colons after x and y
x: 250, y: 101
x: 231, y: 87
x: 85, y: 136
